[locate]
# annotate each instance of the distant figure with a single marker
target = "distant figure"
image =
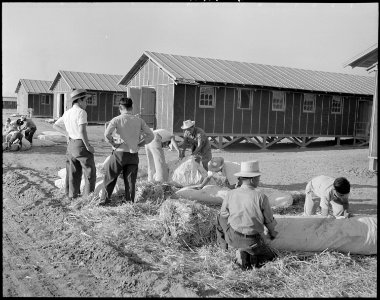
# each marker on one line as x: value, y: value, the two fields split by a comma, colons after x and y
x: 244, y: 213
x: 80, y: 154
x: 197, y: 140
x: 13, y: 133
x: 125, y: 156
x: 158, y: 170
x: 29, y: 127
x: 323, y: 191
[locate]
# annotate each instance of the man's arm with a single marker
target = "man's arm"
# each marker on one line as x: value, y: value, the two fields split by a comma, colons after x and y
x: 200, y: 141
x: 175, y: 145
x: 59, y: 125
x: 83, y: 133
x: 324, y: 204
x: 269, y: 221
x: 108, y: 134
x: 148, y: 134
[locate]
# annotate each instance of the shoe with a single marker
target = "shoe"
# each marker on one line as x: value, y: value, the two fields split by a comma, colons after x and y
x: 104, y: 203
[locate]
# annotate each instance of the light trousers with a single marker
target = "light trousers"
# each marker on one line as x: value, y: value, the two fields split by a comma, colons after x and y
x: 158, y: 170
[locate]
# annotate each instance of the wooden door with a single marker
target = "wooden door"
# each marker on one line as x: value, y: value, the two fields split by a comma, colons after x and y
x: 363, y: 121
x: 148, y: 106
x: 135, y: 95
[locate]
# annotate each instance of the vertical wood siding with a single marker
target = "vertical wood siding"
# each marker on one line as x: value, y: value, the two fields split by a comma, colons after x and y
x: 227, y: 119
x: 150, y: 75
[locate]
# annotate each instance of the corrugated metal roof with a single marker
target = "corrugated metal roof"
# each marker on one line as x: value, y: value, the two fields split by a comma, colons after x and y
x: 34, y: 86
x: 9, y: 98
x: 364, y: 59
x: 90, y: 81
x: 208, y: 70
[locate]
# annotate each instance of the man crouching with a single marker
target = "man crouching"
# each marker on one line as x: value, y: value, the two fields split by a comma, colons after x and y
x: 242, y: 217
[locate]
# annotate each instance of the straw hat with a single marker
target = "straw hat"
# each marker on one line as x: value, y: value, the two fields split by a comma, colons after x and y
x: 215, y: 164
x: 187, y: 124
x: 249, y: 169
x: 76, y: 94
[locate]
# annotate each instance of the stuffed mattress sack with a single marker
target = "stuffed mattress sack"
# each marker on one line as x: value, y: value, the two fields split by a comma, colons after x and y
x: 356, y: 235
x: 60, y: 183
x: 209, y: 193
x: 186, y: 172
x: 43, y: 143
x: 54, y: 136
x: 215, y: 194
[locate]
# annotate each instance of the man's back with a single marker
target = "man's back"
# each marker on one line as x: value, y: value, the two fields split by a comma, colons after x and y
x: 129, y: 127
x: 247, y: 210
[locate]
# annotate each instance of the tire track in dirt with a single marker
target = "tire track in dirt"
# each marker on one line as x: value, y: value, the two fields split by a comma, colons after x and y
x: 28, y: 269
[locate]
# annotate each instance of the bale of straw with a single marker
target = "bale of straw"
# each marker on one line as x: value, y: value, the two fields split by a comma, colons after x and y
x: 187, y: 222
x: 153, y: 192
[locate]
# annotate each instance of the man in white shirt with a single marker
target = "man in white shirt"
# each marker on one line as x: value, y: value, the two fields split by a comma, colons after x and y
x: 125, y: 157
x: 324, y: 191
x: 158, y: 170
x: 80, y: 154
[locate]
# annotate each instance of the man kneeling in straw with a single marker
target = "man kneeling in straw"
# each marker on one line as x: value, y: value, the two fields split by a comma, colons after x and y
x: 242, y: 217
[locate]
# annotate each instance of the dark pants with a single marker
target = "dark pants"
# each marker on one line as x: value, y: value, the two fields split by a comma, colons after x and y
x: 121, y: 162
x: 253, y: 250
x: 29, y: 132
x: 79, y: 159
x: 205, y: 156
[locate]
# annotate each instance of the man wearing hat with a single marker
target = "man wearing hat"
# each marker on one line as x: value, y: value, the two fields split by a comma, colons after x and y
x: 80, y: 154
x: 220, y: 173
x: 324, y: 191
x: 29, y: 127
x: 244, y: 213
x: 197, y: 139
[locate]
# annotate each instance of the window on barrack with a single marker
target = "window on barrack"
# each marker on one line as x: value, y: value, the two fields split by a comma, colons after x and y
x: 45, y: 100
x: 92, y: 101
x: 207, y: 97
x: 336, y: 106
x: 278, y: 101
x: 244, y: 99
x: 309, y: 103
x: 116, y: 99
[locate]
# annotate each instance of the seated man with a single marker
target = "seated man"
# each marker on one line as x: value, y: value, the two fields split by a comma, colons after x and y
x: 221, y: 173
x: 323, y: 191
x: 243, y: 215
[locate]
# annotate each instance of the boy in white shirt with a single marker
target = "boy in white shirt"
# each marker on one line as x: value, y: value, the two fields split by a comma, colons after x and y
x: 324, y: 191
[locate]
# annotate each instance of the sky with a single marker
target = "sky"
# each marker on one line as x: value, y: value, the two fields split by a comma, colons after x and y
x: 39, y: 39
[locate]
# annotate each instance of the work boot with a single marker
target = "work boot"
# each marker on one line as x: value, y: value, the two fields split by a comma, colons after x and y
x: 243, y: 260
x: 104, y: 202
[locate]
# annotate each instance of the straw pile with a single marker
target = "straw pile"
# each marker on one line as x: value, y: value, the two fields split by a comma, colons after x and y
x: 187, y: 222
x: 152, y: 192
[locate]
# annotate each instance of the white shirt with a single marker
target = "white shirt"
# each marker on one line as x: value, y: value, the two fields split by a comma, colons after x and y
x: 323, y: 187
x: 165, y: 135
x: 130, y: 128
x: 227, y: 172
x: 72, y: 118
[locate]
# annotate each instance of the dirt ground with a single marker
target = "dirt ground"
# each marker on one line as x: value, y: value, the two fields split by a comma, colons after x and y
x: 34, y: 214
